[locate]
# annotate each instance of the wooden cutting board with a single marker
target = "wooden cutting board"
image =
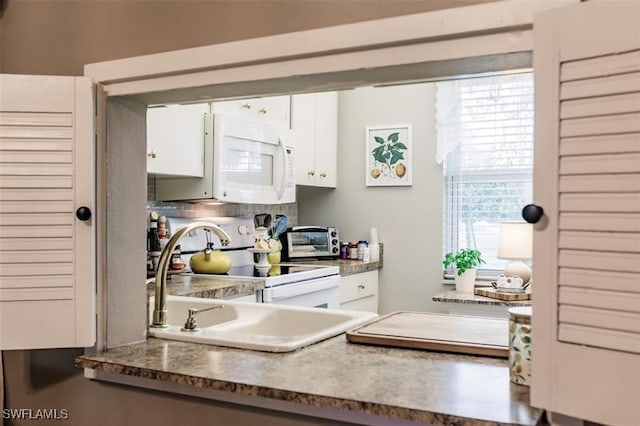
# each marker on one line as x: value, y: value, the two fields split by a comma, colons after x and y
x: 436, y: 332
x: 495, y: 294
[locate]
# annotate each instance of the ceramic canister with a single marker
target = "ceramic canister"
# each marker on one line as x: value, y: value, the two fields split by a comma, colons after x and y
x: 520, y: 345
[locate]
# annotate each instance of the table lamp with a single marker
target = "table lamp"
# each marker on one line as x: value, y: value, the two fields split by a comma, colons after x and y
x: 516, y: 243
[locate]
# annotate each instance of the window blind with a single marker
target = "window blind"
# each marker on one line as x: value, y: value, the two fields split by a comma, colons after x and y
x: 485, y: 141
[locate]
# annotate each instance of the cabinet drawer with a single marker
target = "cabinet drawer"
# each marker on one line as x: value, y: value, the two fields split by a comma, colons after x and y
x: 366, y: 304
x: 357, y: 286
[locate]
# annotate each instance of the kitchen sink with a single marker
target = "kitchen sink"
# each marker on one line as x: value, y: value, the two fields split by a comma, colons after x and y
x: 256, y: 326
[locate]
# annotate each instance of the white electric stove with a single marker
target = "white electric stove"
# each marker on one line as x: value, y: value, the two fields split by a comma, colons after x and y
x: 288, y: 283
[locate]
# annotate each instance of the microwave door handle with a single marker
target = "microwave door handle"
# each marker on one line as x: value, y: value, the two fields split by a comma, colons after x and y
x: 284, y: 169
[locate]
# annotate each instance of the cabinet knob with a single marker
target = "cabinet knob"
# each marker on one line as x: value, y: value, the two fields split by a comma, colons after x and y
x: 361, y: 286
x: 262, y: 110
x: 246, y: 105
x: 83, y: 213
x: 532, y: 213
x: 323, y: 174
x: 152, y: 154
x: 311, y: 173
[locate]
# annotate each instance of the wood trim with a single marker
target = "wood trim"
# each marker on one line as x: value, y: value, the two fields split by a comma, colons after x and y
x: 505, y: 16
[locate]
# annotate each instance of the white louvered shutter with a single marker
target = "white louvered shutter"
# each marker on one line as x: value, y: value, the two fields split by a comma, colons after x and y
x: 586, y: 301
x: 47, y: 255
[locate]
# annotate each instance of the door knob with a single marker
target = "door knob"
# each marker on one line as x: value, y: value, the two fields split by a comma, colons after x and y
x: 532, y: 213
x: 83, y: 213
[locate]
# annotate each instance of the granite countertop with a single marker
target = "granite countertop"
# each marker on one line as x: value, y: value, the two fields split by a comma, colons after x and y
x: 213, y: 287
x: 347, y: 266
x: 210, y: 287
x: 452, y: 296
x: 414, y: 385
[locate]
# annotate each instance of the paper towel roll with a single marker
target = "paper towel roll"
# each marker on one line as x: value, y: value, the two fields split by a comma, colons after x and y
x: 373, y: 236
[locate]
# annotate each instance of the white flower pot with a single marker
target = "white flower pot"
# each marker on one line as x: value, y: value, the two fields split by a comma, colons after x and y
x: 467, y: 281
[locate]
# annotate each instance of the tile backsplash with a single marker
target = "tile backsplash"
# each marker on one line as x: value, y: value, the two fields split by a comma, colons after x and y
x: 201, y: 209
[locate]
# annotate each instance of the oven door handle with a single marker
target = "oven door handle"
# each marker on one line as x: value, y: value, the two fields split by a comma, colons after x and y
x: 274, y: 294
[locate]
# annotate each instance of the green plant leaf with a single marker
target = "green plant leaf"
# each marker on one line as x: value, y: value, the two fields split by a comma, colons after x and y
x: 396, y: 156
x: 377, y: 154
x: 399, y: 145
x: 393, y: 137
x: 379, y: 139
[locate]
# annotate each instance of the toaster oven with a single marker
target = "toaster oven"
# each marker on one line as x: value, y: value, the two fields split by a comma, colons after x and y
x: 310, y: 242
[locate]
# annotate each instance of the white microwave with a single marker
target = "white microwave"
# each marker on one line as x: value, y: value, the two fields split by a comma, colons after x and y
x: 245, y: 162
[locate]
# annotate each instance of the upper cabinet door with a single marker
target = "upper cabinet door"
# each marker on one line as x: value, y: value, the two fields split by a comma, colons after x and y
x: 47, y: 243
x: 175, y: 140
x: 315, y: 123
x: 273, y: 110
x: 586, y: 304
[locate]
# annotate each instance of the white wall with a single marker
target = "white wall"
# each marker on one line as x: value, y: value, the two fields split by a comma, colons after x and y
x: 409, y: 219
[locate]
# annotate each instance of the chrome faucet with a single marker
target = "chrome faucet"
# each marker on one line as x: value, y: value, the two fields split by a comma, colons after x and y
x: 160, y: 300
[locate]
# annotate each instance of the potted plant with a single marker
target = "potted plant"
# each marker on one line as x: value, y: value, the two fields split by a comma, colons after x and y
x: 465, y: 262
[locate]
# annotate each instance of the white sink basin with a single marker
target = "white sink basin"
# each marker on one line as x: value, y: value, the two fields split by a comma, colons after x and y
x: 263, y: 327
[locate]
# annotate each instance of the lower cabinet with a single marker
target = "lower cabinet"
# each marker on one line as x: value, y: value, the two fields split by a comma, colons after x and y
x: 359, y: 292
x: 252, y: 298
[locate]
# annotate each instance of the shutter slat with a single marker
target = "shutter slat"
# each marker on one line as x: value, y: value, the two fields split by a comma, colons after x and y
x: 7, y: 144
x: 36, y: 194
x: 52, y: 231
x: 604, y: 241
x: 48, y: 294
x: 35, y: 269
x: 609, y: 144
x: 620, y: 123
x: 36, y: 132
x: 622, y: 63
x: 613, y: 222
x: 12, y: 170
x: 32, y: 244
x: 28, y: 257
x: 600, y: 299
x: 600, y: 202
x: 40, y: 219
x: 622, y: 183
x: 39, y: 182
x: 601, y: 318
x: 600, y: 86
x: 35, y: 158
x: 604, y: 261
x: 34, y: 281
x: 605, y: 164
x: 36, y: 206
x: 35, y: 119
x: 599, y: 280
x: 592, y: 336
x: 616, y: 104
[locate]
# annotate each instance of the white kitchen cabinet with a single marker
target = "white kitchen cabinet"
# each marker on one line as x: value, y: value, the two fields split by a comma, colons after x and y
x: 586, y: 313
x: 314, y: 118
x: 273, y: 110
x: 175, y: 140
x: 359, y: 292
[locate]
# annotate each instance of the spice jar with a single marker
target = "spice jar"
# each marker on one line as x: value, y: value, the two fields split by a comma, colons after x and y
x: 353, y: 251
x: 344, y: 250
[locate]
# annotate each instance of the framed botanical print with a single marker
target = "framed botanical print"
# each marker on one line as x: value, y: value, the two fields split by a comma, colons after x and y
x: 388, y: 155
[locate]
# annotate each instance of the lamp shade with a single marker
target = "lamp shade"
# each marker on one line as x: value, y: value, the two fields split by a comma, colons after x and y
x: 516, y: 240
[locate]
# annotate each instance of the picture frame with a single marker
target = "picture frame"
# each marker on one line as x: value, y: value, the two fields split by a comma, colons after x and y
x: 388, y: 151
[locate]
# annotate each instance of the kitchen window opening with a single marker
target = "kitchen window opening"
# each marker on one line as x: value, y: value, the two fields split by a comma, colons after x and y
x: 485, y: 143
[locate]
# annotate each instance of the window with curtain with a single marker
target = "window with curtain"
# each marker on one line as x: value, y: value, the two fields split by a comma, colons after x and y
x: 485, y: 142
